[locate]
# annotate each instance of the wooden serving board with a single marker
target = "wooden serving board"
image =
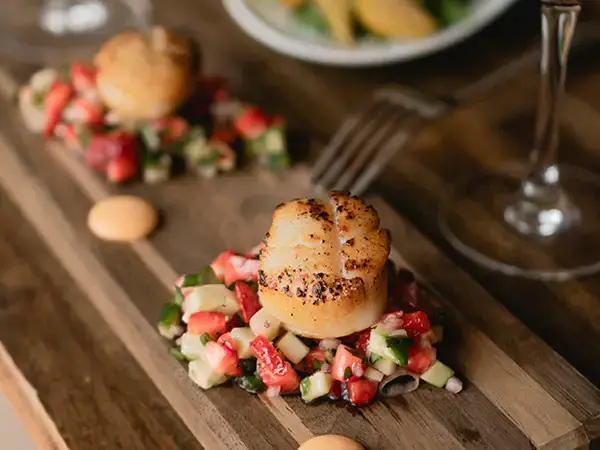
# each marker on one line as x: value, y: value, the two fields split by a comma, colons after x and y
x: 519, y: 393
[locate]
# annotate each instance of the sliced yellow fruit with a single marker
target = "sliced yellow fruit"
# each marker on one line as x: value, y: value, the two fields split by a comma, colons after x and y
x: 338, y: 14
x: 395, y: 18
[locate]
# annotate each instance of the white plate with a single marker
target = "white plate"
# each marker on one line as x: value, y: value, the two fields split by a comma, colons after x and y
x: 269, y: 22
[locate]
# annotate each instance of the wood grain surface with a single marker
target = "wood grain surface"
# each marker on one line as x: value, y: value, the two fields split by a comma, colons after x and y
x: 520, y: 346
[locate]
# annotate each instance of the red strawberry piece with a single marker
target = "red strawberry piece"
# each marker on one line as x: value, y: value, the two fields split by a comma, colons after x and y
x: 251, y: 123
x: 121, y: 168
x: 83, y: 77
x: 85, y: 111
x: 55, y: 102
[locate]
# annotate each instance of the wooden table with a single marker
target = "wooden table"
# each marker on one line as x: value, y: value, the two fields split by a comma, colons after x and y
x: 99, y: 386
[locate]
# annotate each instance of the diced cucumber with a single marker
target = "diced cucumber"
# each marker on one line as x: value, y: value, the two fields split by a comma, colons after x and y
x: 192, y: 346
x: 265, y: 324
x: 385, y: 366
x: 170, y: 331
x: 176, y: 353
x: 242, y: 337
x: 205, y: 276
x: 373, y: 374
x: 438, y: 374
x: 251, y: 383
x: 210, y: 297
x: 293, y: 348
x: 170, y: 314
x: 398, y: 348
x: 315, y: 386
x: 201, y: 374
x: 378, y: 344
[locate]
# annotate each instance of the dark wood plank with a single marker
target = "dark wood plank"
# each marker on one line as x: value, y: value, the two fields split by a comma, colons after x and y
x: 90, y: 385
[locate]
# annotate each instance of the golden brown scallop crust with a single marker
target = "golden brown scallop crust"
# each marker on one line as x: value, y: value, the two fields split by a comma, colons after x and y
x: 144, y: 76
x: 322, y: 271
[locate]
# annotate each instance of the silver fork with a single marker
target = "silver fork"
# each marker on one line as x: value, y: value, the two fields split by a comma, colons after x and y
x: 368, y: 139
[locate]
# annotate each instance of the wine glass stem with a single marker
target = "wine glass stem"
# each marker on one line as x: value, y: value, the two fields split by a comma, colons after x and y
x: 542, y: 208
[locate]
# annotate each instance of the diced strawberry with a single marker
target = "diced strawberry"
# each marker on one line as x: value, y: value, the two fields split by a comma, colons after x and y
x: 363, y: 340
x: 222, y: 359
x: 362, y: 392
x: 226, y: 135
x: 248, y: 300
x: 55, y: 102
x: 171, y: 128
x: 420, y: 358
x: 105, y: 148
x: 267, y: 354
x: 416, y: 323
x: 213, y: 323
x: 345, y: 364
x: 336, y: 391
x: 83, y: 77
x: 227, y: 340
x: 230, y: 267
x: 251, y: 123
x: 314, y: 360
x: 287, y: 382
x: 121, y: 168
x: 393, y: 321
x: 221, y: 264
x: 84, y: 111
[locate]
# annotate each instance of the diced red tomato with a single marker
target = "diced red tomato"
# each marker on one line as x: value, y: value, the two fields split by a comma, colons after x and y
x: 222, y: 359
x: 251, y: 123
x: 231, y: 267
x: 55, y: 102
x: 420, y: 358
x: 85, y: 111
x: 248, y: 300
x: 362, y: 392
x: 345, y: 364
x: 226, y: 340
x: 121, y: 168
x: 416, y: 323
x: 314, y: 360
x: 363, y: 340
x: 213, y: 323
x: 83, y: 77
x: 336, y: 391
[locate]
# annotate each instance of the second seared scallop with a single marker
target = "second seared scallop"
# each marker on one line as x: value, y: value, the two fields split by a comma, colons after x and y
x: 323, y: 269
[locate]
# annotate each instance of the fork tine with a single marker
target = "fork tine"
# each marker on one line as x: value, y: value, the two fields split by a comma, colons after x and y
x: 370, y: 149
x: 338, y: 139
x: 354, y: 145
x: 393, y: 145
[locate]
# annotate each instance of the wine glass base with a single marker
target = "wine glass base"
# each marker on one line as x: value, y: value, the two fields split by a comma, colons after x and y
x: 55, y: 32
x: 482, y: 218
